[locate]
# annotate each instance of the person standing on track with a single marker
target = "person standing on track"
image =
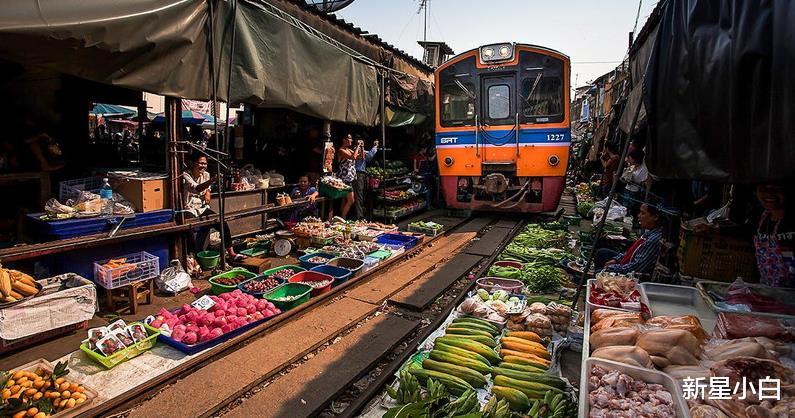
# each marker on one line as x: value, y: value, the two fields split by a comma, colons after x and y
x: 362, y: 158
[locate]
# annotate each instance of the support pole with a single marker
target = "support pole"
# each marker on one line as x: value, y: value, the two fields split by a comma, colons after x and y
x: 173, y: 110
x: 383, y: 130
x: 601, y: 226
x: 220, y: 180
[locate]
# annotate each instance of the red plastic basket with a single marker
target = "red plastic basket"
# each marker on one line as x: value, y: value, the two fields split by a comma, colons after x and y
x: 313, y: 276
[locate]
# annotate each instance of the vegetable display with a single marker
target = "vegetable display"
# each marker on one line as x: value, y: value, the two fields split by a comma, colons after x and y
x: 543, y: 279
x: 231, y: 281
x: 260, y: 286
x: 39, y: 393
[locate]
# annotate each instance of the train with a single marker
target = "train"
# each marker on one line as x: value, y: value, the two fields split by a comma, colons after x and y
x: 503, y: 128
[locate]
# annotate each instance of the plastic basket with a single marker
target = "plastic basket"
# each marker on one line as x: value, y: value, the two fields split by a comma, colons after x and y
x: 404, y: 241
x: 199, y: 347
x: 715, y: 257
x: 313, y: 276
x: 126, y: 354
x: 427, y: 231
x: 138, y: 267
x: 352, y: 264
x: 333, y: 193
x: 70, y: 189
x: 254, y: 252
x: 300, y: 291
x: 494, y: 283
x: 265, y: 274
x: 306, y: 264
x: 340, y: 275
x: 219, y: 288
x: 380, y: 255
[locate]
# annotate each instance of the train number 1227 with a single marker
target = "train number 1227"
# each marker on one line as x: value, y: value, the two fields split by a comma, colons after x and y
x: 556, y: 137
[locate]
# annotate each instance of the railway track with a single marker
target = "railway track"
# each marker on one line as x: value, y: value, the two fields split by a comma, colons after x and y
x: 333, y: 358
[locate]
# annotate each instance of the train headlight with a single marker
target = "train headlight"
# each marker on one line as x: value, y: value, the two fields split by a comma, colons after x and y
x: 496, y: 53
x: 553, y: 160
x: 448, y: 161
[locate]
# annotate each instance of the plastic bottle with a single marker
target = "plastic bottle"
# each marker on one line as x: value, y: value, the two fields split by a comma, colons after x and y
x: 106, y: 194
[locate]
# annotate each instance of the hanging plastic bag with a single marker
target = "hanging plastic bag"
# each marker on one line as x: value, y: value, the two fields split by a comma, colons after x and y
x: 173, y: 279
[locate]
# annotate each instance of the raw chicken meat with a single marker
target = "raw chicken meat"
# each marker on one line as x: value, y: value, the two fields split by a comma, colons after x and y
x: 617, y: 395
x: 599, y: 314
x: 685, y: 322
x: 706, y: 411
x: 627, y: 354
x: 685, y: 372
x: 626, y: 319
x: 613, y: 336
x: 679, y: 347
x: 737, y: 348
x: 754, y: 369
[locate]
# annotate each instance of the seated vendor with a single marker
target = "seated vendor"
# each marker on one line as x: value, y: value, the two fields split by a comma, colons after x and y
x: 304, y: 190
x: 642, y: 254
x: 196, y: 184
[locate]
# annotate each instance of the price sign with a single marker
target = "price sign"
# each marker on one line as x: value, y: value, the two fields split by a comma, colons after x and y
x: 204, y: 303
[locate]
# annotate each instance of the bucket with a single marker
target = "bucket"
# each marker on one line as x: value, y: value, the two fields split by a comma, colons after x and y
x: 208, y: 260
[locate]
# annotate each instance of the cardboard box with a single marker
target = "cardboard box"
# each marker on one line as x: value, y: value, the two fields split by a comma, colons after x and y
x: 146, y: 194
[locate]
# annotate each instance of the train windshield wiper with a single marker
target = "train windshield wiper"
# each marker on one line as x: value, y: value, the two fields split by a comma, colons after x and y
x: 465, y: 89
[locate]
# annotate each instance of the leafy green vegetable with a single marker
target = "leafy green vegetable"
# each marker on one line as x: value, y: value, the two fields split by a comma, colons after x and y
x: 543, y: 278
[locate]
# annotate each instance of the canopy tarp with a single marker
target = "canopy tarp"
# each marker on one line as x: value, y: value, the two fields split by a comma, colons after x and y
x: 161, y: 46
x: 103, y: 109
x: 397, y: 118
x: 720, y: 91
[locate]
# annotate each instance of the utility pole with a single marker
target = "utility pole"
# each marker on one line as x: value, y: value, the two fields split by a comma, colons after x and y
x: 424, y: 5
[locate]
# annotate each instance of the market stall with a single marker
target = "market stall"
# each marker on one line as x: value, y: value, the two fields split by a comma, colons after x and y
x: 116, y: 357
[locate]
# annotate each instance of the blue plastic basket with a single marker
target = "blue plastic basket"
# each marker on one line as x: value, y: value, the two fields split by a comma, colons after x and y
x: 304, y: 259
x: 340, y: 275
x: 199, y: 347
x: 404, y: 241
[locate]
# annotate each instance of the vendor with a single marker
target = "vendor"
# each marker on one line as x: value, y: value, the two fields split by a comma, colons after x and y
x: 364, y: 156
x: 196, y: 184
x: 773, y: 235
x: 642, y: 254
x: 609, y: 159
x: 304, y: 190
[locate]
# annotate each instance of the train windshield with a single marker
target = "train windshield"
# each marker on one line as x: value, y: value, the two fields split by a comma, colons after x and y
x: 541, y: 90
x: 457, y: 94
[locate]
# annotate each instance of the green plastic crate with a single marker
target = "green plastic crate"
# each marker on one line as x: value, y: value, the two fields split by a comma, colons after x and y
x: 222, y: 288
x: 380, y: 254
x: 299, y: 290
x: 126, y: 354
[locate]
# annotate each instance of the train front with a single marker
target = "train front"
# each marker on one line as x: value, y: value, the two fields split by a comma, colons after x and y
x: 502, y: 128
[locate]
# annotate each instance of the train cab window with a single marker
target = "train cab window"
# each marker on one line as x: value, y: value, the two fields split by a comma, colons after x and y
x: 542, y: 99
x: 499, y: 101
x: 458, y: 93
x: 458, y: 104
x: 541, y: 89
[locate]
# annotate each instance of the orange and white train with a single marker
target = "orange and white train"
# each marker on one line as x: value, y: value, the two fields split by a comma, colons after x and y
x: 503, y: 128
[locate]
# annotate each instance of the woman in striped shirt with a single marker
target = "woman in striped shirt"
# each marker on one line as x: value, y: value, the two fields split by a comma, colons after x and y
x: 642, y: 254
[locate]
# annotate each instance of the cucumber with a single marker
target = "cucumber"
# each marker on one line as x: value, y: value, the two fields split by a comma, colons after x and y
x: 467, y: 331
x: 525, y: 362
x: 455, y: 385
x: 533, y: 390
x: 516, y: 398
x: 474, y: 346
x: 477, y: 322
x: 470, y: 376
x: 475, y: 327
x: 488, y: 341
x: 460, y: 352
x: 529, y: 377
x: 468, y: 362
x: 522, y: 367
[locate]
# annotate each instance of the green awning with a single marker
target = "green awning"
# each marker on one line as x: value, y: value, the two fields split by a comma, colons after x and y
x: 160, y: 46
